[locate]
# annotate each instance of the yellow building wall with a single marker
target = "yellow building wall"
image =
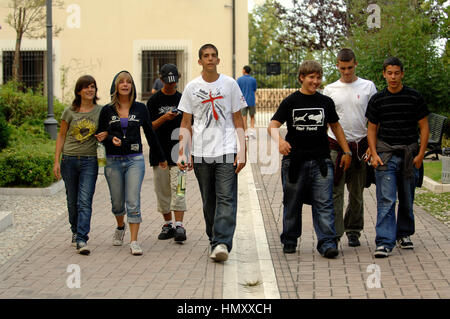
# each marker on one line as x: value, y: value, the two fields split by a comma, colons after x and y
x: 102, y: 37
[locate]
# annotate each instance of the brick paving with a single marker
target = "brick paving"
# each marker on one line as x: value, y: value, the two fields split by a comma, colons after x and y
x: 420, y: 273
x: 166, y: 270
x: 183, y: 271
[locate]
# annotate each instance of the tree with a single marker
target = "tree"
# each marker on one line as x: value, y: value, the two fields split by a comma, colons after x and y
x: 318, y: 27
x: 412, y: 31
x: 28, y: 18
x: 264, y: 31
x: 313, y: 24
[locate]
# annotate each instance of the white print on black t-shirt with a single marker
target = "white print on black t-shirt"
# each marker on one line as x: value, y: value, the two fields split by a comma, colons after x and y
x: 308, y: 119
x: 133, y: 118
x: 114, y: 119
x: 166, y: 109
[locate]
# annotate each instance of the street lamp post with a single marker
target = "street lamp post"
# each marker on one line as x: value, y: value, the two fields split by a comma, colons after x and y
x: 50, y: 124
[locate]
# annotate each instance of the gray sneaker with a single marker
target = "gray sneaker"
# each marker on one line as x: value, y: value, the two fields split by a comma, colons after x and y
x: 135, y: 248
x: 118, y: 236
x: 82, y: 248
x: 180, y: 234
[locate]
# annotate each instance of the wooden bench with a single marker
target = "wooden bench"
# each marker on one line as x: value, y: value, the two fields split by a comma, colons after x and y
x: 436, y: 123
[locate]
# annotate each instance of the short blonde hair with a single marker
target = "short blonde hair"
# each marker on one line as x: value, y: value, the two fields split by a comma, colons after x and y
x: 115, y: 94
x: 308, y: 67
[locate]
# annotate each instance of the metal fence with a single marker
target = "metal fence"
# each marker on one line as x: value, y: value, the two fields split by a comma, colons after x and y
x: 275, y: 80
x: 31, y: 67
x: 267, y: 102
x: 153, y: 60
x: 280, y: 75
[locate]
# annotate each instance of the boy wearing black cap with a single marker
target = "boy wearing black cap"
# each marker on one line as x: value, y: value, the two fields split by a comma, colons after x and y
x: 166, y: 119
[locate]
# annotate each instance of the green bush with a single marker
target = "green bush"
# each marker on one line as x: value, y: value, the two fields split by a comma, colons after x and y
x: 410, y: 32
x: 21, y: 106
x: 20, y: 168
x: 4, y: 132
x: 30, y: 161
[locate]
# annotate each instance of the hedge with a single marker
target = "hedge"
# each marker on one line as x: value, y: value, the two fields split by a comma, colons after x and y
x: 22, y: 105
x: 5, y: 132
x: 27, y: 160
x: 21, y: 168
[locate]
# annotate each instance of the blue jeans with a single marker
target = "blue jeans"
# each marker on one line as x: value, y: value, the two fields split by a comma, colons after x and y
x: 390, y: 182
x: 80, y: 176
x: 217, y: 181
x: 319, y: 189
x: 124, y: 176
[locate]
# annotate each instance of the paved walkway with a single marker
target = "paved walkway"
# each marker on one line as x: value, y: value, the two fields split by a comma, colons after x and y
x: 257, y: 268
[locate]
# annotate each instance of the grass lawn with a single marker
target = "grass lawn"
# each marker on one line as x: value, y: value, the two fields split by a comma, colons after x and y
x: 433, y: 170
x: 437, y: 205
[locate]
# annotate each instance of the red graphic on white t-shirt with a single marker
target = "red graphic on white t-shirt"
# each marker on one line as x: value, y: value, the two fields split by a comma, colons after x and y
x: 211, y: 99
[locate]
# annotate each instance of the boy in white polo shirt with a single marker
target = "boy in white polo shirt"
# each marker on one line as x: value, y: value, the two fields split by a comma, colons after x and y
x: 351, y: 95
x: 214, y: 101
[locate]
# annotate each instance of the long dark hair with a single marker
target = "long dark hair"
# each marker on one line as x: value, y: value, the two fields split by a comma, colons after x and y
x: 83, y: 82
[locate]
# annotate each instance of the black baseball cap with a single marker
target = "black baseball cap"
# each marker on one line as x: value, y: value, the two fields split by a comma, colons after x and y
x: 169, y: 73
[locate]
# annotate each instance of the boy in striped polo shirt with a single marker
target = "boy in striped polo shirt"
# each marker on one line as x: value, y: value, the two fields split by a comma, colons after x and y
x: 394, y: 114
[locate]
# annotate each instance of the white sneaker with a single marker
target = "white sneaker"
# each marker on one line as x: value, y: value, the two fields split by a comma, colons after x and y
x: 118, y: 236
x: 219, y: 253
x: 83, y: 249
x: 135, y: 248
x: 252, y: 133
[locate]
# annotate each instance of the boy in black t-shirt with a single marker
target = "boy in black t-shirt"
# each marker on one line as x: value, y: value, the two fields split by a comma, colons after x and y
x: 393, y: 115
x: 166, y: 120
x: 307, y: 170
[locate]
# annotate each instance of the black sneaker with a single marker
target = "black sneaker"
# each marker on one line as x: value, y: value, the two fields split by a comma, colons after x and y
x: 167, y: 232
x: 405, y: 243
x: 289, y: 248
x: 331, y: 253
x: 382, y: 252
x: 74, y: 240
x: 180, y: 234
x: 353, y: 241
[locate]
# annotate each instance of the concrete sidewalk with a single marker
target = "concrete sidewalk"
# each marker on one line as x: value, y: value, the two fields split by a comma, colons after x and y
x: 257, y: 267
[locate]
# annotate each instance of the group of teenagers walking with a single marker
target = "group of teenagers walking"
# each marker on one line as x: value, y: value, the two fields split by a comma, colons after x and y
x: 331, y: 140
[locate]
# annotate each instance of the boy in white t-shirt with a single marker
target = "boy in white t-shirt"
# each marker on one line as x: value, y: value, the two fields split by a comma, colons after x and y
x: 351, y: 95
x: 214, y: 101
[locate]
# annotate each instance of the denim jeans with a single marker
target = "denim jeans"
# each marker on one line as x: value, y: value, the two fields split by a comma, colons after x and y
x: 390, y: 182
x: 124, y: 176
x: 217, y: 181
x: 80, y: 176
x: 354, y: 177
x: 319, y: 189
